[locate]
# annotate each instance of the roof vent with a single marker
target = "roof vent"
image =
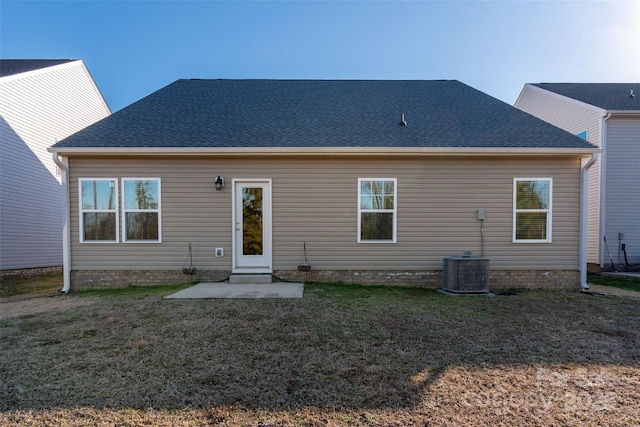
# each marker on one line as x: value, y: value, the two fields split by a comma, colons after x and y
x: 403, y: 122
x: 631, y: 95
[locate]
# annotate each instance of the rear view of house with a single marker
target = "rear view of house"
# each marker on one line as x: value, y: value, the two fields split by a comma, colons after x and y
x: 42, y: 101
x: 363, y: 181
x: 607, y: 115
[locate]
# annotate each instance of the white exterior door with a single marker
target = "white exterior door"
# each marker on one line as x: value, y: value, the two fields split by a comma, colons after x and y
x: 252, y: 226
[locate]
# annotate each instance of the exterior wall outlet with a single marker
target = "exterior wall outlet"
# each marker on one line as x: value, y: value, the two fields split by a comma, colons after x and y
x: 219, y: 252
x: 480, y: 214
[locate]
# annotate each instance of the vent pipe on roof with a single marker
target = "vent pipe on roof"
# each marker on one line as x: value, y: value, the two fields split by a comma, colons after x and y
x: 631, y: 95
x: 403, y: 122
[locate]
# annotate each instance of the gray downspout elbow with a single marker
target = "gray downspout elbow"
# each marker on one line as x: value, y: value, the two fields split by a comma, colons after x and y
x: 63, y: 164
x: 584, y: 205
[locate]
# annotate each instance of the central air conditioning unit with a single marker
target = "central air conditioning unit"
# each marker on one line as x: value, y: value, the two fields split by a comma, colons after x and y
x: 466, y: 274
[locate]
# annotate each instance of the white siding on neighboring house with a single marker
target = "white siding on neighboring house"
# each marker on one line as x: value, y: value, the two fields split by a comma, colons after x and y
x: 575, y: 117
x: 38, y: 108
x: 622, y: 183
x: 315, y: 201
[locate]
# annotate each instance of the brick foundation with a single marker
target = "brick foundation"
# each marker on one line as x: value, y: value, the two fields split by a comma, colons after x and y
x: 82, y: 279
x: 499, y: 279
x: 366, y: 277
x: 535, y: 279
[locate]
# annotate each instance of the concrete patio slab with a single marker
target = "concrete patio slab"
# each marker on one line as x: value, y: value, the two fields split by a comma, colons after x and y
x: 206, y: 290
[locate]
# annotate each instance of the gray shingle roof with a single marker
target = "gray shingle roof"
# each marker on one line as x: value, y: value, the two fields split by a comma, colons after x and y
x: 320, y: 114
x: 609, y: 96
x: 9, y: 67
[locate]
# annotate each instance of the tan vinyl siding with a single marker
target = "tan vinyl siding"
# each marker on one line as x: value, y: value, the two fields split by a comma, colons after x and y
x: 574, y: 117
x: 315, y: 201
x: 622, y: 210
x: 37, y: 109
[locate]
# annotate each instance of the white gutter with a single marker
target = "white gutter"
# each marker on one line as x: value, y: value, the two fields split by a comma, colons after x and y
x: 584, y: 207
x: 317, y: 151
x: 63, y: 164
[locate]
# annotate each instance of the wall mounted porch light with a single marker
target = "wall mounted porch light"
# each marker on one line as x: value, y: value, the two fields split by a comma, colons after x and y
x: 219, y: 182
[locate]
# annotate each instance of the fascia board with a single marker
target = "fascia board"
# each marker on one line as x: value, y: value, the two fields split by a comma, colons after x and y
x: 599, y: 110
x: 95, y: 87
x: 72, y: 63
x: 525, y: 88
x: 624, y: 113
x: 328, y: 151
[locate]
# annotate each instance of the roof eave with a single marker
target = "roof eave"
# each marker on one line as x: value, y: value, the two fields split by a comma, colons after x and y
x: 36, y: 71
x: 532, y: 86
x: 320, y: 151
x: 626, y: 113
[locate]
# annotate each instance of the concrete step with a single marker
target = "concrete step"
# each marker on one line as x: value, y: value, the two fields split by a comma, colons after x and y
x: 249, y: 279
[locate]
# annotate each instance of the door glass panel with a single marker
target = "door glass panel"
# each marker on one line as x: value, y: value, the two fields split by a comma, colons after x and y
x: 252, y: 224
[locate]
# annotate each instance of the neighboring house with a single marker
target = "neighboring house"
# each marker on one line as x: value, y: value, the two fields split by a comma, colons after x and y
x: 41, y: 101
x: 378, y: 179
x: 607, y: 115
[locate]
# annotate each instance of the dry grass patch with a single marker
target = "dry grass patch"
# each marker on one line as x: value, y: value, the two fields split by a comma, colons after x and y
x: 343, y: 355
x: 34, y: 286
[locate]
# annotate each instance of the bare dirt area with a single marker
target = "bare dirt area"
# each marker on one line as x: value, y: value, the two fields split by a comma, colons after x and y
x: 615, y: 292
x: 342, y: 355
x: 32, y: 304
x: 35, y: 295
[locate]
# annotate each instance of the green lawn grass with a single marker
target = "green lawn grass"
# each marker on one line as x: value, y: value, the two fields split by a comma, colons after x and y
x: 629, y: 283
x: 133, y: 291
x: 341, y: 355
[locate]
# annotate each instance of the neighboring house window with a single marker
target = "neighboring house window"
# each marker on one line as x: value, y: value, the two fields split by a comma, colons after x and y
x: 532, y: 209
x: 377, y: 210
x: 98, y: 210
x: 582, y: 135
x: 141, y: 209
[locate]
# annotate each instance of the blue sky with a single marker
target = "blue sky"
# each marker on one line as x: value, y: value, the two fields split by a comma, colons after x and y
x: 133, y: 48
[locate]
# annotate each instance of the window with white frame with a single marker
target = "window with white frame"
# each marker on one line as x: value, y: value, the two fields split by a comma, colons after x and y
x: 377, y: 210
x: 141, y: 210
x: 98, y: 210
x: 532, y: 209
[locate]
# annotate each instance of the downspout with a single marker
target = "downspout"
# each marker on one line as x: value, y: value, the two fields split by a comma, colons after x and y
x: 584, y: 207
x: 602, y: 202
x: 63, y: 164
